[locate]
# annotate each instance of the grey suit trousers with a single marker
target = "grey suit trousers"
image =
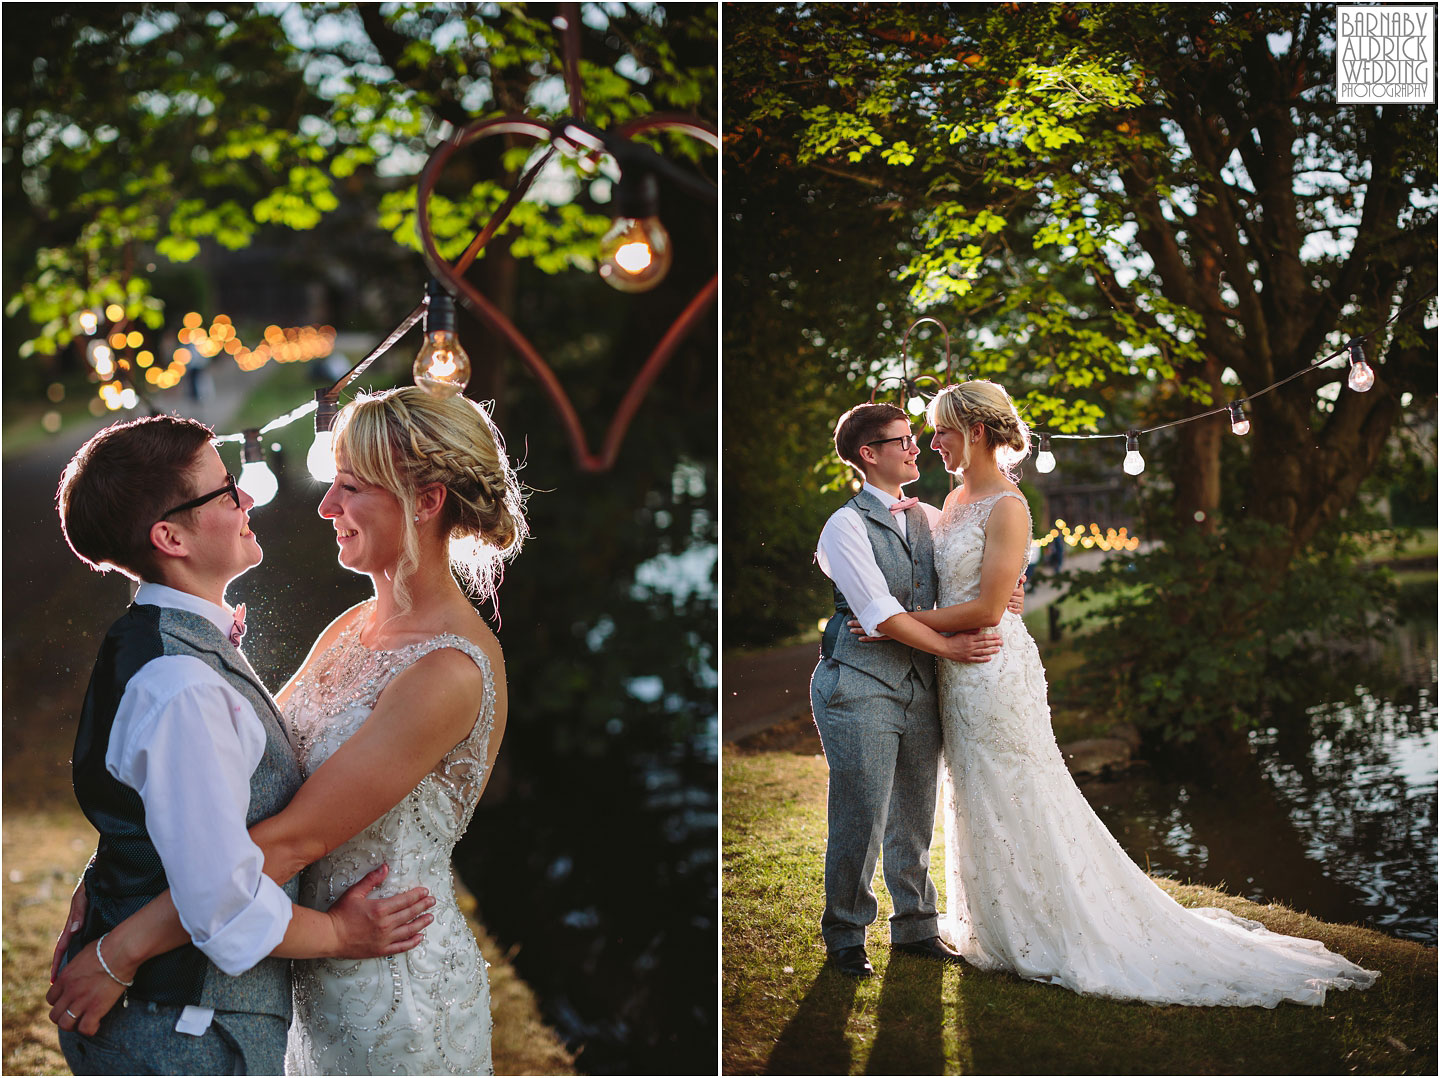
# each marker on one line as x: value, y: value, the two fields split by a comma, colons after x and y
x: 141, y: 1039
x: 883, y: 749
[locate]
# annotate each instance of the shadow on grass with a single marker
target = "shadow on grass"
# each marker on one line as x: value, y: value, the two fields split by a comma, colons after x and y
x: 908, y: 1024
x: 909, y: 1036
x: 813, y: 1041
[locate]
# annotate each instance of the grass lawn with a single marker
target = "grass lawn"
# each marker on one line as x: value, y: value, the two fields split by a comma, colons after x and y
x: 786, y: 1013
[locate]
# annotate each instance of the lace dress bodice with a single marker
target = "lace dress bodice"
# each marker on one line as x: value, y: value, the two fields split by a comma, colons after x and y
x: 1015, y: 674
x: 960, y: 546
x: 1036, y: 884
x: 427, y: 1010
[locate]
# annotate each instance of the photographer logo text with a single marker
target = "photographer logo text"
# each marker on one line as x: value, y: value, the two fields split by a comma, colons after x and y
x: 1385, y: 55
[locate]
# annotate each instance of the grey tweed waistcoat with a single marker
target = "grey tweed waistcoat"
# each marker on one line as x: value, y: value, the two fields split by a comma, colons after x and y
x: 126, y: 872
x: 908, y: 565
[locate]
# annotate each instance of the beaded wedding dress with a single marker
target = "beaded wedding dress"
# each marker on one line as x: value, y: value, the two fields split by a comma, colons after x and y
x: 1036, y: 884
x: 426, y: 1011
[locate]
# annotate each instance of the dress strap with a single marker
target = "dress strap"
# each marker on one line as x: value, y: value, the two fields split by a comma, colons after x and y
x: 1018, y: 497
x: 485, y: 717
x: 477, y: 654
x: 985, y: 506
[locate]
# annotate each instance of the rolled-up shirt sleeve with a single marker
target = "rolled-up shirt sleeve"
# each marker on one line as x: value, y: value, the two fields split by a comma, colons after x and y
x: 845, y: 555
x: 187, y: 742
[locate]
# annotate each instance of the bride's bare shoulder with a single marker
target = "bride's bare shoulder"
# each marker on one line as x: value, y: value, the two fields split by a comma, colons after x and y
x: 478, y: 632
x: 463, y: 620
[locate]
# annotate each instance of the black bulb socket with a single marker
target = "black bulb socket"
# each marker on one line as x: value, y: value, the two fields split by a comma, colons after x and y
x: 440, y: 310
x: 252, y: 450
x: 328, y: 407
x: 637, y: 195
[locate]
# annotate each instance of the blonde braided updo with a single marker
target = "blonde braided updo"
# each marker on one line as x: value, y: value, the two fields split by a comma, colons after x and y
x: 984, y: 404
x: 406, y: 439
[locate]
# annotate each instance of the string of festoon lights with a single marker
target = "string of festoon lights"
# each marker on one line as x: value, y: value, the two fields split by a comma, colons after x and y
x: 1360, y: 379
x: 634, y: 256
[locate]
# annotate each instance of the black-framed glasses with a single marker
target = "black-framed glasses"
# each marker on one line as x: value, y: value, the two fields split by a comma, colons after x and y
x: 194, y: 503
x: 907, y: 442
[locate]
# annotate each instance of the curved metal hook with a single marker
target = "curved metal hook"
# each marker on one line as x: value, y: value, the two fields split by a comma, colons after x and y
x: 496, y: 319
x: 906, y: 382
x: 905, y: 342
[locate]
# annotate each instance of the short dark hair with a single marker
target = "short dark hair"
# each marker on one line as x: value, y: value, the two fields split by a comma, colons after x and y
x: 861, y: 424
x: 119, y: 484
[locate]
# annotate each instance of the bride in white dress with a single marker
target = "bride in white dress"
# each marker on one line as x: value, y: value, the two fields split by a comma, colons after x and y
x: 423, y: 486
x: 397, y: 713
x: 1036, y: 884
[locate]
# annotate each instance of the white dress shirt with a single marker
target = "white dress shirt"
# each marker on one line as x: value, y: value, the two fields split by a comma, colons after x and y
x: 188, y: 742
x: 845, y: 555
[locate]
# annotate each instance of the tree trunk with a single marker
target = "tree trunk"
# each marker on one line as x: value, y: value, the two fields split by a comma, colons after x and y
x: 1302, y: 478
x: 1197, y: 461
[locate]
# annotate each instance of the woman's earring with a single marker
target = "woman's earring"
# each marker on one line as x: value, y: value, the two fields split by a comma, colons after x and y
x: 417, y: 518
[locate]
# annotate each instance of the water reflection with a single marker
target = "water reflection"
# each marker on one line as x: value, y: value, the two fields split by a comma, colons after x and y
x: 1336, y: 815
x: 617, y: 938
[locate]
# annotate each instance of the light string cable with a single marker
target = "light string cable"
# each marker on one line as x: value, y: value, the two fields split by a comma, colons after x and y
x: 1349, y: 346
x: 1361, y: 378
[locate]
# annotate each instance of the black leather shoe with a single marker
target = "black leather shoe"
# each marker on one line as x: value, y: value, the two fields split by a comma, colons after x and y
x: 934, y: 948
x: 852, y: 960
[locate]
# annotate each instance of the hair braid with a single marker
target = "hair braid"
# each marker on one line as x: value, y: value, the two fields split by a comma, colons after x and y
x: 406, y: 439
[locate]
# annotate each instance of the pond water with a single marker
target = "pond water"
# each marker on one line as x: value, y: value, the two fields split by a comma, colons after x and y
x: 1335, y: 812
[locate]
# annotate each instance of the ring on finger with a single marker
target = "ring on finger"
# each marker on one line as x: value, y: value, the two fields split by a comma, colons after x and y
x: 72, y: 1014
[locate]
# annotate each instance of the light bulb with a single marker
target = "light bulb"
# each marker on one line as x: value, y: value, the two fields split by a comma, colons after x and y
x: 442, y: 367
x: 635, y: 254
x: 1044, y: 459
x: 258, y: 481
x: 1134, y: 462
x: 1238, y: 423
x: 321, y: 458
x: 1361, y: 376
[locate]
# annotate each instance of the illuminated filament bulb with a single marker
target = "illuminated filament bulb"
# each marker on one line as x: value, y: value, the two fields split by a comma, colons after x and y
x: 256, y: 478
x: 1361, y: 376
x: 1239, y: 424
x: 442, y: 367
x: 635, y: 252
x: 1045, y: 460
x: 1134, y: 462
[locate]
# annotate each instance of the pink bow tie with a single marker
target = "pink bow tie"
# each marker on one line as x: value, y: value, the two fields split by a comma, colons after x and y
x: 237, y: 631
x: 904, y: 504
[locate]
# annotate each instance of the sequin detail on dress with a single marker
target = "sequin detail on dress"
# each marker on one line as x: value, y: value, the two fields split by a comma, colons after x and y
x: 426, y: 1011
x: 1036, y: 884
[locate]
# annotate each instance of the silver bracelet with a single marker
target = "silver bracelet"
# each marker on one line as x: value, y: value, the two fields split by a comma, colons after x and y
x: 105, y: 966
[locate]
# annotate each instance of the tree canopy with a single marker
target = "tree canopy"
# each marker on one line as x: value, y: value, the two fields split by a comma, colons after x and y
x: 1097, y: 194
x: 135, y: 133
x: 1126, y: 213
